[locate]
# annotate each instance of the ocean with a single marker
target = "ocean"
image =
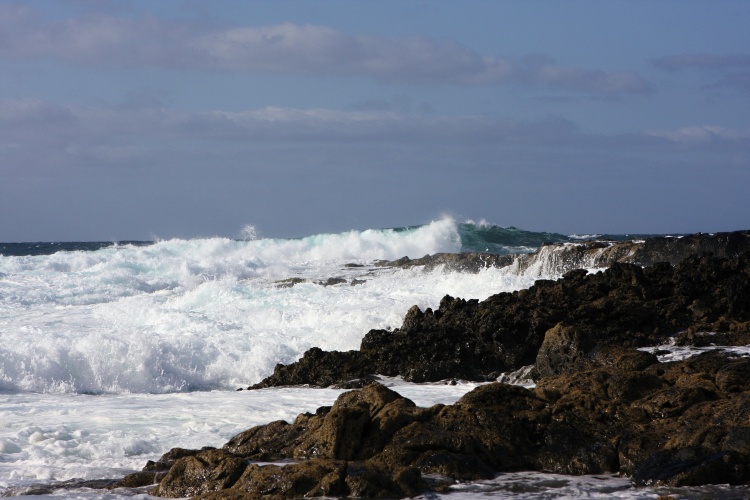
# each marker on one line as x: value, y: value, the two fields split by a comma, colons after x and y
x: 112, y: 353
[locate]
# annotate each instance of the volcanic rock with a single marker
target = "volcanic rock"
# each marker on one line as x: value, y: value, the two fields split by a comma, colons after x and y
x: 558, y: 326
x: 672, y: 424
x: 599, y: 406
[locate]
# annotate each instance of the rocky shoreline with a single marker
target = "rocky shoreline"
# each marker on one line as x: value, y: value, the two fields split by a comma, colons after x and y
x: 554, y: 325
x: 599, y: 405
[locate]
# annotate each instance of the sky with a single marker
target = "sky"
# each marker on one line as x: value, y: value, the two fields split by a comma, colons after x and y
x: 143, y: 120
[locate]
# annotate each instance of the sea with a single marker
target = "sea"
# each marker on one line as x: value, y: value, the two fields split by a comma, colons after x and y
x: 112, y: 353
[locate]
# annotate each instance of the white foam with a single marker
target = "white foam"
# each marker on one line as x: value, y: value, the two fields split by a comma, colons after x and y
x: 207, y: 314
x: 671, y: 352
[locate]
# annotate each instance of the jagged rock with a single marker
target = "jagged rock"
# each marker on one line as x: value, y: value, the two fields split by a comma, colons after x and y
x: 599, y: 406
x: 289, y: 282
x: 557, y: 325
x: 320, y: 368
x: 332, y: 281
x: 460, y: 262
x: 673, y: 424
x: 206, y: 471
x: 692, y: 467
x: 138, y: 479
x: 564, y: 348
x: 590, y: 254
x: 674, y: 250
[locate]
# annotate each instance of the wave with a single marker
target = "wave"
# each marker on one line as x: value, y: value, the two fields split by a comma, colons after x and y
x: 444, y: 235
x: 500, y: 240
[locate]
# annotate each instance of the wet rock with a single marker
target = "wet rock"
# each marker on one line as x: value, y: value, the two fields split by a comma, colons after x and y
x: 207, y: 471
x: 564, y: 348
x: 138, y: 479
x: 289, y: 282
x: 332, y: 281
x: 734, y: 377
x: 692, y: 467
x: 599, y: 406
x: 665, y: 423
x: 319, y: 368
x: 558, y: 326
x: 459, y: 262
x: 591, y: 254
x: 305, y: 479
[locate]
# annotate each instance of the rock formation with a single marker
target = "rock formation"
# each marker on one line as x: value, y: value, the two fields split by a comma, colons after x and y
x: 600, y: 405
x: 674, y: 424
x: 556, y: 325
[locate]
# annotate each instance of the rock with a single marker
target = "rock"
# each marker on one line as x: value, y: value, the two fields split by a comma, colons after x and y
x: 563, y: 257
x: 289, y: 282
x: 599, y: 406
x: 564, y: 348
x: 673, y: 424
x: 332, y: 281
x: 319, y: 368
x: 734, y: 377
x: 138, y: 479
x: 458, y: 262
x: 305, y: 479
x: 558, y: 326
x: 692, y: 467
x: 207, y: 471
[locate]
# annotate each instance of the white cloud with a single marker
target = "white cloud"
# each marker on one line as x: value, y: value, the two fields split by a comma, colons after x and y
x: 104, y: 41
x: 44, y: 135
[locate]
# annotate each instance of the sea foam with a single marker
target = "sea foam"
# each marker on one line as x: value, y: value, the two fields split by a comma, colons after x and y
x: 184, y: 315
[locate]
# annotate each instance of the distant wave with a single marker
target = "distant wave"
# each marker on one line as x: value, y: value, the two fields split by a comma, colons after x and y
x: 444, y: 235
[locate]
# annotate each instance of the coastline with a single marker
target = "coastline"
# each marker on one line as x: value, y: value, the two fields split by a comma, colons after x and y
x: 600, y: 405
x: 598, y: 320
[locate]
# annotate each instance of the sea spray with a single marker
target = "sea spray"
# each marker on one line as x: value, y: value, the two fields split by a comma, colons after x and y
x: 184, y: 315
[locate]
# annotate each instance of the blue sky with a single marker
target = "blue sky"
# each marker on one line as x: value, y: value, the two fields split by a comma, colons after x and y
x: 160, y: 119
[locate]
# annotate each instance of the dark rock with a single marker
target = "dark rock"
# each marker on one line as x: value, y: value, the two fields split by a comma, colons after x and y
x: 332, y: 281
x: 289, y: 282
x: 665, y: 423
x: 674, y: 250
x: 734, y: 377
x: 305, y: 479
x: 692, y: 467
x: 138, y: 479
x: 50, y: 488
x: 207, y: 471
x: 319, y: 368
x: 459, y: 262
x: 600, y: 405
x: 591, y: 254
x: 564, y: 348
x: 559, y: 326
x: 169, y: 458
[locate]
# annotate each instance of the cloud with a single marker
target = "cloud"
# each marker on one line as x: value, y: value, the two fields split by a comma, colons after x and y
x: 119, y: 132
x: 702, y: 61
x: 33, y: 122
x: 106, y: 41
x: 702, y: 134
x: 735, y: 69
x: 739, y: 80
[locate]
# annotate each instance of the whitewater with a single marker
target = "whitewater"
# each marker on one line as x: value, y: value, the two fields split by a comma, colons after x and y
x: 112, y: 354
